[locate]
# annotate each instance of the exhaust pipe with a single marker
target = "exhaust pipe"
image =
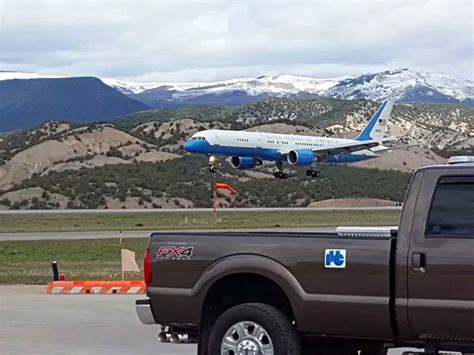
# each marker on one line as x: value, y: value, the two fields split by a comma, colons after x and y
x: 164, y: 337
x: 177, y: 338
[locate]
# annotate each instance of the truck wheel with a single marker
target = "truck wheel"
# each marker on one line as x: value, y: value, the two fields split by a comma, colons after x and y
x: 253, y: 328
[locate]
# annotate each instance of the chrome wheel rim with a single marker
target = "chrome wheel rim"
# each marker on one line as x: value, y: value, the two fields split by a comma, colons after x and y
x: 246, y: 338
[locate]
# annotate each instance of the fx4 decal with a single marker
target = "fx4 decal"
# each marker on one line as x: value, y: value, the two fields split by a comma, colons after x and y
x: 175, y: 252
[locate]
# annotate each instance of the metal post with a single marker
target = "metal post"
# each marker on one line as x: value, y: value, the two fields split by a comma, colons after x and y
x: 214, y: 212
x: 214, y: 200
x: 54, y: 265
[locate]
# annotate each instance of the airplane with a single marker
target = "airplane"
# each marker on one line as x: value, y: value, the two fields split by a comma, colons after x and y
x: 249, y: 149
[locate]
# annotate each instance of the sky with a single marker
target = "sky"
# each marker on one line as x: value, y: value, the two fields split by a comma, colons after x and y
x: 146, y: 40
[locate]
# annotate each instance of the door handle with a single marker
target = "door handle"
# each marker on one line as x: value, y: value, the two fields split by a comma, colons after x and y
x: 418, y: 263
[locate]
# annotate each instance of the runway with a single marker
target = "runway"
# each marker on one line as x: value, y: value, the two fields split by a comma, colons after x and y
x: 135, y: 234
x: 190, y: 210
x: 33, y: 323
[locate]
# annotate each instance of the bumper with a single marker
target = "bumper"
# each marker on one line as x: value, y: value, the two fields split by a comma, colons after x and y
x: 144, y: 312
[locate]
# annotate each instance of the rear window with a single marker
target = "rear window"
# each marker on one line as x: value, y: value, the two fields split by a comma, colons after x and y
x: 452, y: 208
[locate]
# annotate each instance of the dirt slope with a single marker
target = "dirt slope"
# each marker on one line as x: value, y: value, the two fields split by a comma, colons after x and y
x: 78, y: 144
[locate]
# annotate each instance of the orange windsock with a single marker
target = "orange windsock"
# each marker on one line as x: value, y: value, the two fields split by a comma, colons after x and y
x: 219, y: 185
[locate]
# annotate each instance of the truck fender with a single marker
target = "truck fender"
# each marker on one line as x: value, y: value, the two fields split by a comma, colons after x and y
x: 251, y: 264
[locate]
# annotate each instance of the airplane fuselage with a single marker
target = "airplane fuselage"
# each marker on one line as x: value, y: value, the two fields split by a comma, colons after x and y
x: 268, y: 146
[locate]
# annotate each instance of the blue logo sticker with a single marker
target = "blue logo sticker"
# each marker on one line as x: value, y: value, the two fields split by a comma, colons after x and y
x: 335, y: 258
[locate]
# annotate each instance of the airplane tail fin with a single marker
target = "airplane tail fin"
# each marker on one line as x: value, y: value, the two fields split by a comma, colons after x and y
x: 375, y: 129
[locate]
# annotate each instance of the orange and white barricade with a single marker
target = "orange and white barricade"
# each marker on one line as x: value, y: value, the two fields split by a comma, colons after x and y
x: 96, y: 287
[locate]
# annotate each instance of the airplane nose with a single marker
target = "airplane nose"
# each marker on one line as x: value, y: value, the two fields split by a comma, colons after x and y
x: 188, y: 146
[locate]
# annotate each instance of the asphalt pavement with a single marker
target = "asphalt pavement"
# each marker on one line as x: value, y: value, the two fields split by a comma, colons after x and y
x: 190, y: 210
x: 137, y: 234
x: 33, y: 322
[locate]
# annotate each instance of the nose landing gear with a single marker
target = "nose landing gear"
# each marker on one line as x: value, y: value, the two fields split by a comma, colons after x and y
x: 211, y: 165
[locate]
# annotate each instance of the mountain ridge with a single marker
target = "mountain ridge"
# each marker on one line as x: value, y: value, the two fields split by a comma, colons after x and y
x: 402, y: 85
x: 29, y: 99
x: 28, y: 102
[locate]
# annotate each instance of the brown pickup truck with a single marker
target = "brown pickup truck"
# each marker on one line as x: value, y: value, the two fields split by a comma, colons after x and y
x: 356, y: 290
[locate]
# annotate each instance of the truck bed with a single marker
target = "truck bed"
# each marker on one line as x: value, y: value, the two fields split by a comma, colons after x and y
x: 341, y: 299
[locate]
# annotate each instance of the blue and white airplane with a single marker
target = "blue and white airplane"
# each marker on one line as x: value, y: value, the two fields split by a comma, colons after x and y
x: 249, y: 149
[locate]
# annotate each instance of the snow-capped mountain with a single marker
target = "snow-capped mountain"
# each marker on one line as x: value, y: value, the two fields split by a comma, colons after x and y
x: 277, y: 85
x: 403, y: 85
x: 29, y: 98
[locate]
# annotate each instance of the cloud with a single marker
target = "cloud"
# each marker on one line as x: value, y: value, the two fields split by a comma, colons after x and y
x: 210, y: 40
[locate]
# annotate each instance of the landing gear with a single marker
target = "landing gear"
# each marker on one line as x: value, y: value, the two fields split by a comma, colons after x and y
x: 313, y: 173
x: 280, y: 174
x: 211, y: 165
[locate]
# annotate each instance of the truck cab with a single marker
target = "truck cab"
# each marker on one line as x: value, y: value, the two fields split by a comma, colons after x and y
x: 435, y: 254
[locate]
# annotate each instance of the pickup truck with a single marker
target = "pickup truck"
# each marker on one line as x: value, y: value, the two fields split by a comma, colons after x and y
x: 358, y: 290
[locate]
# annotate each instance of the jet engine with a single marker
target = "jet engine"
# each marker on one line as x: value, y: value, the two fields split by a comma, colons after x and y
x: 300, y: 157
x: 243, y: 163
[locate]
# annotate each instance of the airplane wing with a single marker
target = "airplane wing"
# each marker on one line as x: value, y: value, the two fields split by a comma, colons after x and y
x: 327, y: 153
x: 347, y: 147
x: 384, y: 149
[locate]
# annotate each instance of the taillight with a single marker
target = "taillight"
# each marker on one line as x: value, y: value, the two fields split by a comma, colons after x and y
x: 147, y: 267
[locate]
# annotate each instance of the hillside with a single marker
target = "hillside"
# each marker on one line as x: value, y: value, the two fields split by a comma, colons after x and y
x: 443, y: 128
x: 138, y: 162
x: 73, y: 149
x: 185, y: 182
x: 26, y: 103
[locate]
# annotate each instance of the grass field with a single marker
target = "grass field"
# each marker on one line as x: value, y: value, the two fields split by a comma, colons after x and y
x: 29, y: 262
x: 191, y: 220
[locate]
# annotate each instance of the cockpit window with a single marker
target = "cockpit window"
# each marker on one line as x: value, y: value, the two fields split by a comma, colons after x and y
x: 198, y: 138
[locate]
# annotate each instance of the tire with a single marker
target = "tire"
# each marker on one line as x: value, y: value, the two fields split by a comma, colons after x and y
x: 203, y: 340
x: 283, y: 336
